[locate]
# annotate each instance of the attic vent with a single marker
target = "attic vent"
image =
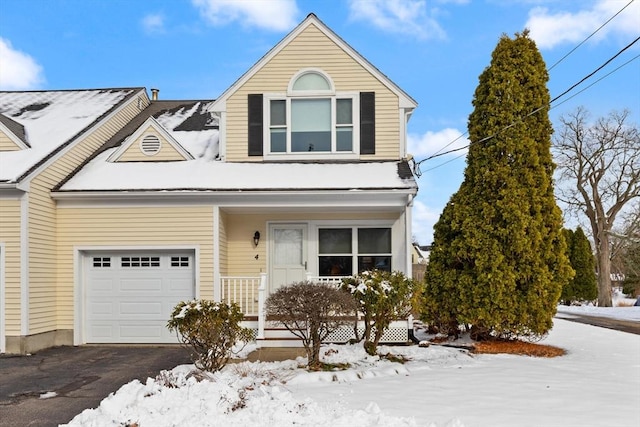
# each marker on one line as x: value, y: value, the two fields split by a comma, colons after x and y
x: 150, y: 145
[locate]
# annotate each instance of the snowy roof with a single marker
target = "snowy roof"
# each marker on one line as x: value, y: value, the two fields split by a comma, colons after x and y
x: 188, y: 122
x: 50, y: 120
x: 205, y: 174
x: 15, y: 128
x: 195, y: 128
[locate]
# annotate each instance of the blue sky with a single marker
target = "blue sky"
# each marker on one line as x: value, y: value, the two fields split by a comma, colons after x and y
x: 435, y: 50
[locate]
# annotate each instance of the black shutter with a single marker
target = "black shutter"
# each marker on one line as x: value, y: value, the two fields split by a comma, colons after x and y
x: 367, y: 123
x: 255, y: 124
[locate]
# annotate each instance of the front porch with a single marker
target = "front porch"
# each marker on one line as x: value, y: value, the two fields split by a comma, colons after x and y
x: 250, y: 293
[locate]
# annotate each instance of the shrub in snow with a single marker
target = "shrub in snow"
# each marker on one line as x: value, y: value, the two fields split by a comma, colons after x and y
x: 584, y: 285
x: 498, y: 261
x: 310, y: 311
x: 381, y: 296
x: 209, y: 329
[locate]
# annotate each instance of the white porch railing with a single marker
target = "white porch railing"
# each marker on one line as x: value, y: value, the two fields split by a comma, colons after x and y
x: 331, y: 280
x: 244, y: 291
x: 251, y: 294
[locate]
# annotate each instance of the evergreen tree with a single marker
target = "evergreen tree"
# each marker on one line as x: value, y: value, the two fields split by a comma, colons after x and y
x: 498, y: 261
x: 583, y: 286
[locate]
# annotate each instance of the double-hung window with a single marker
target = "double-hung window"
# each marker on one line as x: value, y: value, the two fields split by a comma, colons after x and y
x: 312, y: 118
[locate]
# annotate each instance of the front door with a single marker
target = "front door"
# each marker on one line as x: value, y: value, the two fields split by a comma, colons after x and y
x: 288, y: 254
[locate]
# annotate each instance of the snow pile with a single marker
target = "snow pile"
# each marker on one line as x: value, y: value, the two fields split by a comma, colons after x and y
x: 436, y: 387
x: 252, y: 394
x: 622, y: 313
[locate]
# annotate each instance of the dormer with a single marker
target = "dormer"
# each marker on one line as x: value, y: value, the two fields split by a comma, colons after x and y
x: 12, y: 135
x: 313, y: 98
x: 150, y: 143
x: 312, y: 120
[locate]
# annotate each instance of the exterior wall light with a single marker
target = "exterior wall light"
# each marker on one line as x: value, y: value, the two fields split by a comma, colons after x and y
x: 256, y: 238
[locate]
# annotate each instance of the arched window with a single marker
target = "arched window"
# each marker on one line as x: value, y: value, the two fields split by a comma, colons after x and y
x: 310, y: 80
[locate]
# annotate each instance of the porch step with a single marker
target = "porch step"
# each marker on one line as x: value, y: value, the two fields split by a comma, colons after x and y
x: 279, y: 342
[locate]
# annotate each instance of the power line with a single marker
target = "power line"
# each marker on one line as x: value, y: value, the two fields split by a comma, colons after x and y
x: 551, y: 108
x: 439, y: 154
x: 590, y: 35
x: 550, y: 68
x: 596, y: 70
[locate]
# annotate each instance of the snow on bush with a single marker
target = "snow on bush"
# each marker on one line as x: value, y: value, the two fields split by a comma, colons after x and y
x: 210, y: 330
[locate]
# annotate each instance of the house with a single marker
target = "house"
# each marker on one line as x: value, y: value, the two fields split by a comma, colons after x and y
x: 114, y: 205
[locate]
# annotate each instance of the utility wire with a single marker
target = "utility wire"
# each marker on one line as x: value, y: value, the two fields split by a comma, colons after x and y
x: 590, y: 35
x: 551, y: 108
x: 596, y: 70
x: 436, y: 154
x: 439, y: 154
x: 550, y: 68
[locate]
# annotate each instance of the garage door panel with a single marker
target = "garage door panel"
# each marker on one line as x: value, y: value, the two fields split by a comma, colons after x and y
x: 135, y: 286
x: 140, y: 309
x: 142, y: 332
x: 129, y: 298
x: 179, y: 286
x: 102, y: 310
x: 104, y: 286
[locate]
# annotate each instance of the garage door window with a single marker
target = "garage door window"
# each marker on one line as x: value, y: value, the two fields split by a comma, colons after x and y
x: 101, y: 261
x: 140, y: 261
x: 179, y: 261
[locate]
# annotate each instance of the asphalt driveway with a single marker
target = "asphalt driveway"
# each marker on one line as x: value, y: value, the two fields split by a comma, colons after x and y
x: 80, y: 377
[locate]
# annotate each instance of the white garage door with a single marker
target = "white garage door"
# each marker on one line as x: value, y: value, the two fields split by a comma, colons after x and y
x: 129, y: 296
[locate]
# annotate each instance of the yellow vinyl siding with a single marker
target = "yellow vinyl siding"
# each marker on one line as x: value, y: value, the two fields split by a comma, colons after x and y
x: 10, y: 237
x: 43, y: 284
x: 134, y: 153
x: 7, y: 144
x: 312, y: 49
x: 240, y: 229
x: 222, y: 243
x: 131, y: 227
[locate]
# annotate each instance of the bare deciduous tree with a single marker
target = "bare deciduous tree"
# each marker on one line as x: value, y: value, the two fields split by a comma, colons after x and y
x: 625, y: 252
x: 602, y: 161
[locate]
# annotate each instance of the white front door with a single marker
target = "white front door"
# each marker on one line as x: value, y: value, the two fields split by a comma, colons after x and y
x: 288, y: 254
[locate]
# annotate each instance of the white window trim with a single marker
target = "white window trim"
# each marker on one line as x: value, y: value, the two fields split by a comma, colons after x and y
x: 313, y: 155
x: 314, y: 245
x: 296, y: 76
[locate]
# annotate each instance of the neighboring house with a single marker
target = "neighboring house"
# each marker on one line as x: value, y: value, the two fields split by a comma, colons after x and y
x: 114, y: 206
x: 420, y: 254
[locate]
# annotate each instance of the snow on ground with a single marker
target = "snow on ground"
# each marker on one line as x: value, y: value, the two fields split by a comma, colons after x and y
x: 596, y: 384
x: 623, y: 309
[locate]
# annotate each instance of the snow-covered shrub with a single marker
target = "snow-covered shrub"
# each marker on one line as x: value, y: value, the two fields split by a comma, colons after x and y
x: 209, y: 329
x: 310, y: 311
x: 381, y: 296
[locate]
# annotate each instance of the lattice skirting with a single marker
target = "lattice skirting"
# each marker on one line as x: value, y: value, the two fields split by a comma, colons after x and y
x: 396, y: 333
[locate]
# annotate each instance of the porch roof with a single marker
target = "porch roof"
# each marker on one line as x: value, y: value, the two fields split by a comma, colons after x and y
x: 205, y: 175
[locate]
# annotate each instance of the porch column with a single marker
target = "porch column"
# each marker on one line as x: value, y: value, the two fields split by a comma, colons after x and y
x: 408, y: 237
x: 262, y: 296
x: 217, y: 288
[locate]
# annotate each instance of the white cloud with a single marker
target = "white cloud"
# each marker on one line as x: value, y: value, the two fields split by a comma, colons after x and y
x: 275, y: 15
x: 430, y: 143
x: 551, y: 29
x: 153, y: 23
x: 19, y: 70
x: 397, y: 16
x: 423, y: 220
